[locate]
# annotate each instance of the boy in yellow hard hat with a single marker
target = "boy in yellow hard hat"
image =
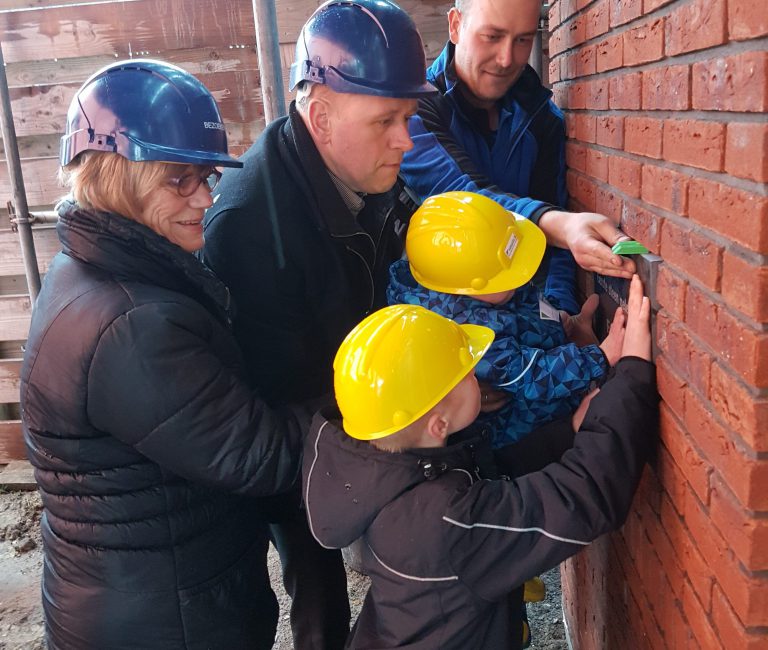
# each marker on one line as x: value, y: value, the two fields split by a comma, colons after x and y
x: 471, y: 260
x: 446, y: 540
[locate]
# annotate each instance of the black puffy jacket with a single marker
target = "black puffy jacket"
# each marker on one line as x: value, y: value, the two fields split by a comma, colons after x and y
x: 147, y: 445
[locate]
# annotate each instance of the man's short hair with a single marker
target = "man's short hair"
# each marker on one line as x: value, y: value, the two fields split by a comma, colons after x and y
x: 109, y: 182
x: 462, y: 5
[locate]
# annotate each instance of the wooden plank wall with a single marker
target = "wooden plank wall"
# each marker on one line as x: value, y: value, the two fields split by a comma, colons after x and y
x: 50, y: 48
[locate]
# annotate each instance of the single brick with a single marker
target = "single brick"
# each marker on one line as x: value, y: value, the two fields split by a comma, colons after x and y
x: 586, y: 128
x: 644, y: 43
x: 696, y: 26
x: 670, y: 291
x: 554, y: 15
x: 744, y: 411
x: 739, y: 215
x: 597, y: 19
x: 608, y: 203
x: 642, y: 225
x: 695, y: 142
x: 585, y: 63
x: 610, y: 132
x: 671, y: 387
x: 554, y: 70
x: 746, y: 151
x: 625, y: 91
x: 643, y: 136
x: 665, y: 189
x: 576, y: 31
x: 597, y: 164
x: 609, y: 53
x: 597, y: 95
x: 577, y: 95
x: 747, y: 19
x: 745, y: 286
x: 622, y: 11
x: 576, y: 156
x: 667, y: 88
x: 624, y: 174
x: 732, y: 83
x: 692, y: 253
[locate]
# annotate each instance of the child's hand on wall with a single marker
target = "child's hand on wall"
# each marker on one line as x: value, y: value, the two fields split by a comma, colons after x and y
x: 578, y: 328
x: 637, y: 339
x: 613, y: 343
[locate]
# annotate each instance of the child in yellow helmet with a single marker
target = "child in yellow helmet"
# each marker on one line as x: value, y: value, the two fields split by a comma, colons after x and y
x: 471, y: 260
x: 447, y: 540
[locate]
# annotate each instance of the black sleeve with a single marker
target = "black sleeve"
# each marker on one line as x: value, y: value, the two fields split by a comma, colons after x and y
x: 502, y: 533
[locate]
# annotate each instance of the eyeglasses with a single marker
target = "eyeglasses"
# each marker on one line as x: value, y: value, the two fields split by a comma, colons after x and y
x: 187, y: 184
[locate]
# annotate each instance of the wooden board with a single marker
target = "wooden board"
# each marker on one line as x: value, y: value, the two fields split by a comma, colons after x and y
x: 46, y: 246
x: 17, y: 474
x: 15, y: 313
x: 125, y: 28
x: 11, y: 441
x: 9, y: 380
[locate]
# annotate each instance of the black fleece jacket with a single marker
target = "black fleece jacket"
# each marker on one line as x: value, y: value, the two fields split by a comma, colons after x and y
x: 446, y: 545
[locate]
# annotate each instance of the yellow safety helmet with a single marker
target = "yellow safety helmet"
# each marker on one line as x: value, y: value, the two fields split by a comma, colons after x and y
x: 400, y: 362
x: 466, y: 243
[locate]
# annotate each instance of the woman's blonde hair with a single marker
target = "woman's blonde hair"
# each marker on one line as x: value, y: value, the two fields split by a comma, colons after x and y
x: 111, y: 183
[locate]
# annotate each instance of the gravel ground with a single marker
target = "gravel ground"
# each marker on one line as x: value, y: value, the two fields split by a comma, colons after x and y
x: 21, y: 621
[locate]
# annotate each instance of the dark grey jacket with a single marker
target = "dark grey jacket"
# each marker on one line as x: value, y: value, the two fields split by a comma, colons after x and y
x: 445, y: 546
x: 147, y: 443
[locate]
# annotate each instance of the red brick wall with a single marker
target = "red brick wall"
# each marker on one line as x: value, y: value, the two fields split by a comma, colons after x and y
x: 665, y: 105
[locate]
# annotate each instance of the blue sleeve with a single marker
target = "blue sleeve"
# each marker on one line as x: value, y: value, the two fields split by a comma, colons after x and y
x: 538, y: 377
x: 437, y: 164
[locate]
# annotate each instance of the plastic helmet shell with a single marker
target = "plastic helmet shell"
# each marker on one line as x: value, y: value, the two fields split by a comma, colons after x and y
x: 146, y: 110
x: 466, y: 243
x: 399, y: 363
x: 367, y: 47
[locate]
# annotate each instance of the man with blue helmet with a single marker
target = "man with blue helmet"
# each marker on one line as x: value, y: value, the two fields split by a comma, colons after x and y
x: 303, y: 237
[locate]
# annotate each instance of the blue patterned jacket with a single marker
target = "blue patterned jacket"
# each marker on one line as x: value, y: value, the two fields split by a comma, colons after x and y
x: 530, y: 358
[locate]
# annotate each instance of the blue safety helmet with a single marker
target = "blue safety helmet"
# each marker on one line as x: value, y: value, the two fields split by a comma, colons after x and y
x: 146, y: 110
x: 367, y: 47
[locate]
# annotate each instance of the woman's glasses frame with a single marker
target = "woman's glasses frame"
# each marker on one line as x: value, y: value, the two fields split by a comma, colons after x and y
x: 186, y: 184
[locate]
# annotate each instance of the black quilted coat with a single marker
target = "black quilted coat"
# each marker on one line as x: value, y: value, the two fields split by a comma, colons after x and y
x: 147, y: 445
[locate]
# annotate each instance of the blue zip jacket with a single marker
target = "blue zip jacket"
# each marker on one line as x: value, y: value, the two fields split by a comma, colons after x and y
x: 521, y: 164
x: 530, y: 357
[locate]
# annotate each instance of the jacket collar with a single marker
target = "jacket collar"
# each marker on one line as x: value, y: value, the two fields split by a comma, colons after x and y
x: 130, y: 251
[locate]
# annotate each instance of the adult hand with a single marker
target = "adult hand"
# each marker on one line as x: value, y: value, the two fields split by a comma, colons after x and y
x: 578, y: 328
x: 491, y: 399
x: 589, y: 236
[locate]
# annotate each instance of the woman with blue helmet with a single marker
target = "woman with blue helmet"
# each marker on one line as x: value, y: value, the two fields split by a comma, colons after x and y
x: 145, y: 438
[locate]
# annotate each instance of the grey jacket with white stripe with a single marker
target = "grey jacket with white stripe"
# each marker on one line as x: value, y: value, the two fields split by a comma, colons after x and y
x: 445, y: 545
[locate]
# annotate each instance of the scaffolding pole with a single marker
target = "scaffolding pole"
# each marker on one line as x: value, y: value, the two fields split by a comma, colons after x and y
x: 268, y: 50
x: 21, y: 209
